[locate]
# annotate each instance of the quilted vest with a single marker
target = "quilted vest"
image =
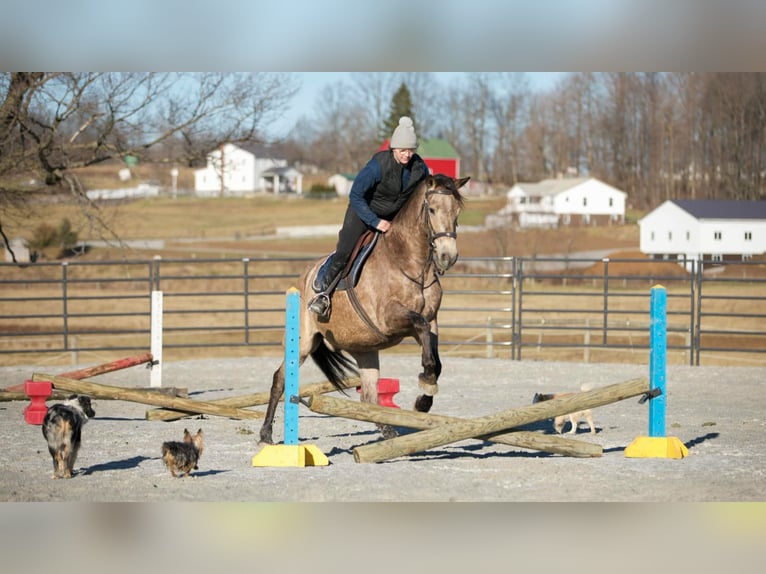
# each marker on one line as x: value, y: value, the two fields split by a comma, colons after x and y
x: 388, y: 197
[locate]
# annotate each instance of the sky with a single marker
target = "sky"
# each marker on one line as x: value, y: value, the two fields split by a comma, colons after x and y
x: 312, y: 84
x: 415, y: 35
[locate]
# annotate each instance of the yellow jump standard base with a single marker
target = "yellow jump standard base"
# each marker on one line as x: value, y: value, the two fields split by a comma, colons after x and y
x: 656, y: 447
x: 290, y: 455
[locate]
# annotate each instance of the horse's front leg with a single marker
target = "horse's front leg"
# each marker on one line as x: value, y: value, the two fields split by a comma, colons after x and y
x: 369, y: 373
x: 427, y: 335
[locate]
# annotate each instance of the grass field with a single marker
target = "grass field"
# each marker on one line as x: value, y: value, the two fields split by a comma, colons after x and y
x: 231, y: 226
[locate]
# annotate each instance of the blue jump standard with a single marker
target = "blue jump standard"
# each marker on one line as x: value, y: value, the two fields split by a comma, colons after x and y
x: 291, y: 453
x: 656, y: 444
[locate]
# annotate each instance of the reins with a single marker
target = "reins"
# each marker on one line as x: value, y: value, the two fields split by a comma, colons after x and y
x: 431, y: 237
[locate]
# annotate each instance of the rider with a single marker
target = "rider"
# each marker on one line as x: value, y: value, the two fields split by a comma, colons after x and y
x: 379, y: 191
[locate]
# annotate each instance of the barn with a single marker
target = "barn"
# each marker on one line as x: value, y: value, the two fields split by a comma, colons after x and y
x: 439, y: 155
x: 717, y: 230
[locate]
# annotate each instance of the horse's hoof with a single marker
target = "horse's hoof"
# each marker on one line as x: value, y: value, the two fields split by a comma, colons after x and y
x: 424, y: 403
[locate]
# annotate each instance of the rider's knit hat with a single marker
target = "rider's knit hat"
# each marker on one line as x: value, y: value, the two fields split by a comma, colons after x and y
x: 404, y: 135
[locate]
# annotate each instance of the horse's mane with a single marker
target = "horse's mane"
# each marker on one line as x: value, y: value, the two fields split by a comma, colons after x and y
x: 441, y: 180
x: 438, y: 180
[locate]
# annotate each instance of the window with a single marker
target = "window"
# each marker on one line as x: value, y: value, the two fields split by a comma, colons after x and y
x: 584, y: 201
x: 748, y: 235
x: 651, y: 236
x: 611, y: 202
x: 670, y: 236
x: 717, y: 235
x: 688, y: 235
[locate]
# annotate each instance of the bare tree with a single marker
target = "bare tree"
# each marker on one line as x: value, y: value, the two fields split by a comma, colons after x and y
x: 52, y: 123
x: 509, y: 109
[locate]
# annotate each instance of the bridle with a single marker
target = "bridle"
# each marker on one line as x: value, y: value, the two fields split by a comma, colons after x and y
x: 431, y: 235
x: 430, y: 230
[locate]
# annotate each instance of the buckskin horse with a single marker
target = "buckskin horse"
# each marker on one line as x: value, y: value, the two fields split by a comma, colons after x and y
x: 397, y: 294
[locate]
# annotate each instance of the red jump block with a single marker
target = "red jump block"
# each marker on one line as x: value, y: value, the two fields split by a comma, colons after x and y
x: 387, y: 388
x: 38, y: 392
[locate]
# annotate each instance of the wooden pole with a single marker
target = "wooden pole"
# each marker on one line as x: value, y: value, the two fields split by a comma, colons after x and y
x: 145, y: 397
x: 88, y: 372
x: 117, y: 365
x: 22, y: 396
x: 464, y: 429
x: 249, y: 400
x: 413, y: 419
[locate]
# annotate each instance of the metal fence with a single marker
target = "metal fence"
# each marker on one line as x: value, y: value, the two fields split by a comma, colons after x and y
x: 519, y: 308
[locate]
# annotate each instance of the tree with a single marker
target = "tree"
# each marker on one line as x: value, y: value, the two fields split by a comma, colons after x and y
x: 53, y: 123
x: 401, y: 105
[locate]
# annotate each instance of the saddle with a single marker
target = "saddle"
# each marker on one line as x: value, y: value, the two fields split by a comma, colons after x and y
x: 350, y: 274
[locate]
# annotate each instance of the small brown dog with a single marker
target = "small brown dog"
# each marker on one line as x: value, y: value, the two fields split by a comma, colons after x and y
x: 182, y: 457
x: 573, y: 418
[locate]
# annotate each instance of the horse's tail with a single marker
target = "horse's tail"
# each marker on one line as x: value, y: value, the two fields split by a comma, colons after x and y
x: 336, y: 366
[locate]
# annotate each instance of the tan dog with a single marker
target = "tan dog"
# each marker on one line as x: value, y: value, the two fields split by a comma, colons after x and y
x: 573, y: 418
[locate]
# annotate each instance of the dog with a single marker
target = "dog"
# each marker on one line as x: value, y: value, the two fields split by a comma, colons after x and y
x: 573, y: 418
x: 181, y: 457
x: 62, y: 428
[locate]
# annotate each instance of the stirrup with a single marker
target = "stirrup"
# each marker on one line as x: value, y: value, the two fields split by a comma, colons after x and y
x: 320, y: 304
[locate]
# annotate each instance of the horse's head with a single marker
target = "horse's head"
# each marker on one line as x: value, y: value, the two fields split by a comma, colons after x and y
x: 441, y: 205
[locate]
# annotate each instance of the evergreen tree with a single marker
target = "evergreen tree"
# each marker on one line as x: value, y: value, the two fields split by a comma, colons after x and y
x: 401, y: 105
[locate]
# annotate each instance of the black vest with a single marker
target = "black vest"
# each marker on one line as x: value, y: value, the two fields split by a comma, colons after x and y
x: 388, y: 197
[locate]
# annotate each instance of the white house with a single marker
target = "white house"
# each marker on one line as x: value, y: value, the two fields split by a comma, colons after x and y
x: 568, y: 201
x: 708, y: 229
x: 342, y: 183
x: 234, y: 170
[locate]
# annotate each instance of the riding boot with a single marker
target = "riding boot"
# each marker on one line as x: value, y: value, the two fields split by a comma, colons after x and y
x: 320, y: 304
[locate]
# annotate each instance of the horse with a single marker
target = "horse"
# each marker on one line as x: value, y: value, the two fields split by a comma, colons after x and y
x: 397, y: 294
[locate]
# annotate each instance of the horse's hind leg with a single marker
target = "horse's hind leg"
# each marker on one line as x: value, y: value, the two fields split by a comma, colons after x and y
x: 369, y: 373
x: 277, y: 388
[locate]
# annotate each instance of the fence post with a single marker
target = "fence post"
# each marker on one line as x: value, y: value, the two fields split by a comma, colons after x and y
x: 246, y: 281
x: 516, y: 328
x: 155, y: 379
x: 64, y: 305
x: 605, y: 260
x: 490, y: 339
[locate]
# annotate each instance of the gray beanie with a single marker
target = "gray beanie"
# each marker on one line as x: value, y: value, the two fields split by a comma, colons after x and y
x: 404, y: 135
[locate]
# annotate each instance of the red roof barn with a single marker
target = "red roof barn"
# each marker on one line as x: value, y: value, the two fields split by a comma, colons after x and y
x: 439, y: 155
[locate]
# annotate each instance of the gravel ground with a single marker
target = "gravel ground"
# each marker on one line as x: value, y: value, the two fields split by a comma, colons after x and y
x: 719, y: 413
